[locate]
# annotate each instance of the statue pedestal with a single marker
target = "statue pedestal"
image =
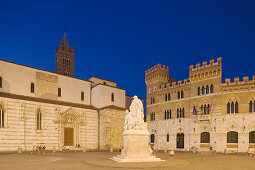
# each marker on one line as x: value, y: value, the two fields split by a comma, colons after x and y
x: 136, y: 148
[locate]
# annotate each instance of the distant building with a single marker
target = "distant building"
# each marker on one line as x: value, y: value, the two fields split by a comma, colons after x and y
x: 39, y: 107
x: 201, y: 111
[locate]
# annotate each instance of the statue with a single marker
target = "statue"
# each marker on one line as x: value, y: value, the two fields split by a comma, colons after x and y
x: 134, y: 120
x: 136, y: 137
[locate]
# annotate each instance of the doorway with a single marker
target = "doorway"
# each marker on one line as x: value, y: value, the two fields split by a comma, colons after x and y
x: 180, y: 140
x: 68, y: 136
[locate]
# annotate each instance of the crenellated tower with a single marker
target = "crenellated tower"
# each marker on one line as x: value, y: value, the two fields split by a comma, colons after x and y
x: 154, y: 78
x: 64, y: 58
x: 206, y: 71
x: 157, y: 73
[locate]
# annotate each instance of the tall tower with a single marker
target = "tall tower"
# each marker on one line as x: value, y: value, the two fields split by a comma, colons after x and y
x: 64, y: 58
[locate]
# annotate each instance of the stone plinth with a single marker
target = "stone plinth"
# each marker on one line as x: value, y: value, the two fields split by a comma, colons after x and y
x: 136, y: 148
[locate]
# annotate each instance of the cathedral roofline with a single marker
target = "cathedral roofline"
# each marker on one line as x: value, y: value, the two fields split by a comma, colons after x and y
x: 109, y: 86
x: 101, y: 79
x: 44, y: 70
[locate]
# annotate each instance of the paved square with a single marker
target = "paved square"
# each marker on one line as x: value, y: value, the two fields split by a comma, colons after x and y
x: 100, y: 160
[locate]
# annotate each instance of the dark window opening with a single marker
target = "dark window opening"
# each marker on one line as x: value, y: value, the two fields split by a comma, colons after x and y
x: 205, y: 137
x: 228, y: 107
x: 252, y: 137
x: 232, y: 107
x: 32, y: 89
x: 232, y: 137
x: 82, y: 95
x: 112, y: 97
x: 152, y: 138
x: 59, y: 92
x: 1, y: 117
x: 211, y: 89
x: 1, y: 82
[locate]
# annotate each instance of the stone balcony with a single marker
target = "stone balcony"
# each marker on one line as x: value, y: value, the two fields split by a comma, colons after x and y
x: 203, y: 117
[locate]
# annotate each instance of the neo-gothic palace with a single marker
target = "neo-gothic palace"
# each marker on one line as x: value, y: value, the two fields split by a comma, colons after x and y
x: 200, y: 111
x: 39, y: 107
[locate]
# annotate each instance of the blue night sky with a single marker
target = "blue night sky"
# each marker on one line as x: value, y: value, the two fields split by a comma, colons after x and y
x: 119, y: 39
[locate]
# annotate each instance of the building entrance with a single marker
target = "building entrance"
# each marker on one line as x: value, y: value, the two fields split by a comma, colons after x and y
x: 68, y: 136
x: 180, y: 140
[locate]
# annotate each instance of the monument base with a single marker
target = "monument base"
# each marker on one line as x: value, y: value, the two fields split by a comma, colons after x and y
x: 136, y: 148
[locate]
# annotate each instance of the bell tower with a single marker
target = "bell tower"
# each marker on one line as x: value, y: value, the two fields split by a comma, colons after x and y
x: 64, y: 58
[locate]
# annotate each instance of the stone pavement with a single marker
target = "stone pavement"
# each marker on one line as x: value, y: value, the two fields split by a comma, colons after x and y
x: 100, y: 160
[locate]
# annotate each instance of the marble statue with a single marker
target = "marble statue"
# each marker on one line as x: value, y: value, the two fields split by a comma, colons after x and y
x: 136, y: 136
x: 134, y: 120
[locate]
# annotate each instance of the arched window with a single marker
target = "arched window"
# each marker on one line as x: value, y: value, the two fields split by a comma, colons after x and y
x: 202, y: 109
x: 178, y: 94
x: 252, y: 137
x: 167, y: 137
x: 203, y: 90
x: 32, y: 88
x: 182, y: 94
x: 208, y: 109
x: 232, y: 137
x: 207, y: 89
x: 254, y: 106
x: 1, y: 117
x: 205, y: 137
x: 250, y: 106
x: 112, y: 97
x: 82, y: 95
x: 182, y: 112
x: 1, y: 82
x: 178, y: 113
x: 165, y: 97
x: 169, y: 96
x: 236, y: 107
x: 205, y: 109
x: 198, y: 91
x: 152, y: 138
x: 59, y: 92
x: 232, y: 107
x: 170, y: 114
x: 38, y: 120
x: 228, y: 107
x: 211, y: 89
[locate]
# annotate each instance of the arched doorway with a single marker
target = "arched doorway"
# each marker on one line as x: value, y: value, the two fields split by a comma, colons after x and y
x: 180, y: 140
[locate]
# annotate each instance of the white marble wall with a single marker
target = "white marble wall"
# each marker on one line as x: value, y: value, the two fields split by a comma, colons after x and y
x: 218, y: 126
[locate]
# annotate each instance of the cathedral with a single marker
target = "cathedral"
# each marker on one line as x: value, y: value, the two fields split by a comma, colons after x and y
x: 201, y: 112
x: 57, y: 110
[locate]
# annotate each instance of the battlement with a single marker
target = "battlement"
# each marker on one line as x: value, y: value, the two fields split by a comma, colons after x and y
x: 179, y: 83
x: 213, y: 69
x: 237, y: 81
x: 156, y: 68
x: 205, y: 65
x: 157, y: 72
